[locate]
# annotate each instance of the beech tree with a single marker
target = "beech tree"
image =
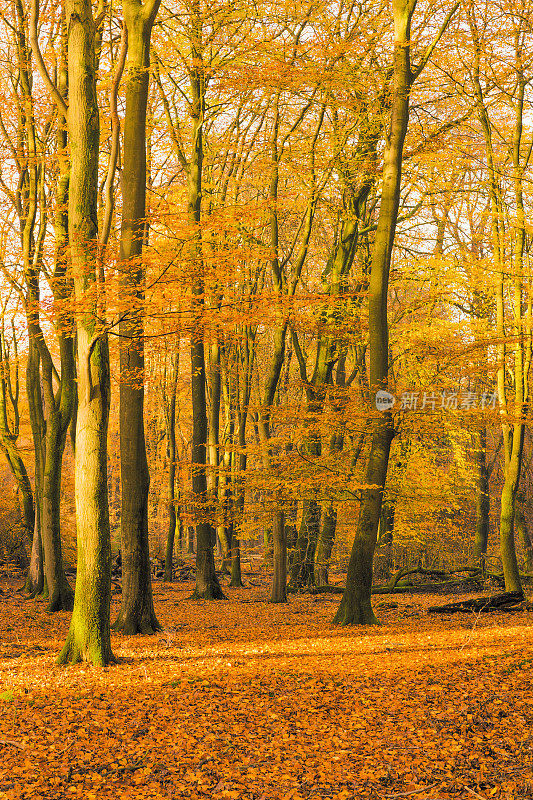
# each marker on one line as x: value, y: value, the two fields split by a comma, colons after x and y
x: 89, y: 633
x: 356, y: 606
x: 137, y: 613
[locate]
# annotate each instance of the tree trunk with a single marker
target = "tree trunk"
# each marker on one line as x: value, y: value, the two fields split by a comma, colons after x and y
x: 190, y: 539
x: 524, y: 535
x: 35, y: 584
x: 481, y: 537
x: 224, y: 536
x: 356, y: 606
x: 507, y: 542
x: 171, y: 449
x: 207, y: 585
x: 89, y: 637
x: 137, y: 614
x: 60, y: 594
x: 386, y: 534
x: 279, y: 578
x: 324, y: 545
x: 303, y: 567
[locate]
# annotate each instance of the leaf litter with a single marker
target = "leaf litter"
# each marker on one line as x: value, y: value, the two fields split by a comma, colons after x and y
x: 242, y: 699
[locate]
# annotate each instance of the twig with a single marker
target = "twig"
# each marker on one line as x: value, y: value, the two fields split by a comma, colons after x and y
x: 13, y: 743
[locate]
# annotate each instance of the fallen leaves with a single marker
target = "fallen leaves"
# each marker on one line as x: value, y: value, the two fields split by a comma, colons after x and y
x: 253, y: 701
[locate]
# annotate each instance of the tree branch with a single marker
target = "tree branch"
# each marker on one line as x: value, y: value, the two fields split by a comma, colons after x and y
x: 39, y: 61
x: 415, y: 72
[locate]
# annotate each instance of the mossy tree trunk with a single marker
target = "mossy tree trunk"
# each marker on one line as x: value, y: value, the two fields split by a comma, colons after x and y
x: 137, y: 614
x: 514, y: 350
x: 88, y: 638
x: 507, y: 514
x: 356, y: 606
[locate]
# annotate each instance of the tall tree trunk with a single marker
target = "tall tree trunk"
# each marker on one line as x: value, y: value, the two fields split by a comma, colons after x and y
x: 240, y: 457
x: 214, y: 422
x: 89, y: 637
x: 356, y: 606
x: 207, y: 584
x: 137, y: 614
x: 58, y: 406
x: 512, y: 415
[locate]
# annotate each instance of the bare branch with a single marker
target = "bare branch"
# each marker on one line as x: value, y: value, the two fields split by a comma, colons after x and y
x: 39, y: 61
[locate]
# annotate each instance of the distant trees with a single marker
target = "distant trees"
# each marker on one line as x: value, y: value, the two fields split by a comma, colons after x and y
x: 305, y: 215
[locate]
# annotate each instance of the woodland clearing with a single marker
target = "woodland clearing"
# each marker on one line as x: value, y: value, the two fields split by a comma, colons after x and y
x: 241, y: 698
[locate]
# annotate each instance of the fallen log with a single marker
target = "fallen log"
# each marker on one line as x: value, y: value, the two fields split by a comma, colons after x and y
x: 419, y: 588
x: 444, y: 576
x: 484, y: 604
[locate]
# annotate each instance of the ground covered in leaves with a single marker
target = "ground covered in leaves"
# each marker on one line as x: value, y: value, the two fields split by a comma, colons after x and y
x: 243, y: 699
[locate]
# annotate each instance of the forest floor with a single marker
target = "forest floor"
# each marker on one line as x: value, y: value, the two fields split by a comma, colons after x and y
x: 240, y: 698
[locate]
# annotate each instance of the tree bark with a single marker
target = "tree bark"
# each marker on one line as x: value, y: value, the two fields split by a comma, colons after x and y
x: 137, y: 614
x: 207, y: 585
x: 356, y: 606
x: 89, y: 637
x: 481, y: 537
x: 171, y: 448
x: 507, y: 516
x: 9, y: 435
x: 303, y: 566
x: 35, y: 582
x: 324, y: 545
x: 524, y: 534
x: 279, y: 578
x: 57, y: 416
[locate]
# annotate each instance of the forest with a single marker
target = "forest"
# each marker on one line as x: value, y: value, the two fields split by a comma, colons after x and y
x: 265, y: 347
